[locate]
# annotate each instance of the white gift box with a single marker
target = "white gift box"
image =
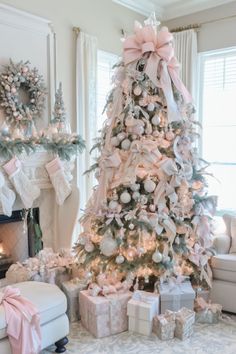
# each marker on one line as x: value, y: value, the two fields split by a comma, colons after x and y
x: 176, y: 296
x: 141, y: 310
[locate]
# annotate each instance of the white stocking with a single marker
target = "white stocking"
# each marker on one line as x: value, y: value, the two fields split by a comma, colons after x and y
x: 57, y: 176
x: 7, y: 196
x: 27, y: 191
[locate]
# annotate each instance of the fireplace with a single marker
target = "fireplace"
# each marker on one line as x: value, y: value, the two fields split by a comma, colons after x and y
x: 19, y: 237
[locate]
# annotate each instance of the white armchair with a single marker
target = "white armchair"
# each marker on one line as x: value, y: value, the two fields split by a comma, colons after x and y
x: 224, y: 269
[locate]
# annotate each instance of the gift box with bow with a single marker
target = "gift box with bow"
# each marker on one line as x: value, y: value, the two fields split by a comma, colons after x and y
x: 141, y: 310
x: 184, y: 321
x: 206, y: 312
x: 104, y: 315
x: 164, y: 325
x: 176, y: 295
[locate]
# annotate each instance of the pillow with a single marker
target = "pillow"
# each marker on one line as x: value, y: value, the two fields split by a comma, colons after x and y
x: 233, y: 235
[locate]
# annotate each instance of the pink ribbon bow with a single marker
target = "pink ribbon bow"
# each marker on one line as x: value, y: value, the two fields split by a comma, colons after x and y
x: 161, y: 63
x: 23, y: 323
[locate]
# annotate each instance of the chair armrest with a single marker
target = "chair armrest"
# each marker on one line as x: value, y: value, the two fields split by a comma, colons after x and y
x: 221, y: 243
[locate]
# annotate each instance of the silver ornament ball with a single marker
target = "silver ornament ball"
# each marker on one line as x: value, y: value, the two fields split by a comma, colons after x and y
x: 149, y: 186
x: 108, y: 246
x: 125, y: 145
x: 120, y: 259
x: 125, y: 197
x: 157, y: 257
x: 156, y: 120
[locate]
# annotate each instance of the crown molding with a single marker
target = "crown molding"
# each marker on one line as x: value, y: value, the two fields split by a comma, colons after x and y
x: 172, y: 10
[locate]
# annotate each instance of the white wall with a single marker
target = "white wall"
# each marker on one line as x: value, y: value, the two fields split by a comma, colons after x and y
x: 213, y: 35
x: 101, y: 18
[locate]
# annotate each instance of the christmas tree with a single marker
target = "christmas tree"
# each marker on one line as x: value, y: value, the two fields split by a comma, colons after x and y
x: 59, y: 114
x: 149, y: 216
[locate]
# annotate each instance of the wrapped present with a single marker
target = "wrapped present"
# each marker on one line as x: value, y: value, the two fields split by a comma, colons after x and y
x: 164, y: 325
x: 71, y: 289
x: 174, y: 296
x: 184, y: 320
x: 57, y: 275
x: 104, y: 315
x: 206, y: 312
x: 141, y: 310
x: 204, y: 293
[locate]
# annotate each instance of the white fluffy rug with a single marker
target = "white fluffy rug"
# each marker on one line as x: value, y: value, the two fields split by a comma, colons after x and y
x: 207, y: 339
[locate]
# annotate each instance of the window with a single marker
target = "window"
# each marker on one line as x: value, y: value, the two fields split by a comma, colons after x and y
x: 105, y: 71
x: 217, y: 109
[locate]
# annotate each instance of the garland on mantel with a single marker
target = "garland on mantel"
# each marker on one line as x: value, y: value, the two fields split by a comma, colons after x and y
x: 65, y: 146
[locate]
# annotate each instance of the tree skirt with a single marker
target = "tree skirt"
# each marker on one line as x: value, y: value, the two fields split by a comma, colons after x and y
x: 207, y: 339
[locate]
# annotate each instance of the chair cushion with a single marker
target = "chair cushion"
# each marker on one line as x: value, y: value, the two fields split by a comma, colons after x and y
x: 48, y: 298
x: 224, y: 267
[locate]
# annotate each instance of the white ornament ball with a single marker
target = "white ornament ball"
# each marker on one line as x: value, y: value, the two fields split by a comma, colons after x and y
x: 151, y: 107
x: 89, y: 247
x: 149, y: 186
x: 140, y: 251
x: 137, y: 90
x: 166, y: 259
x: 108, y: 246
x: 135, y: 187
x: 138, y: 129
x: 125, y: 145
x: 136, y: 196
x: 121, y: 136
x: 157, y: 257
x: 13, y: 90
x: 113, y: 204
x: 156, y: 120
x: 120, y: 259
x: 170, y: 136
x: 125, y: 197
x: 115, y: 141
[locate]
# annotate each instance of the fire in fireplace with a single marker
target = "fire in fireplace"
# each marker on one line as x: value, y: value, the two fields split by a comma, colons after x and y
x: 20, y: 237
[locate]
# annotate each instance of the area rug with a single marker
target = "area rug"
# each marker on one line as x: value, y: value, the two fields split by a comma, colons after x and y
x: 207, y: 339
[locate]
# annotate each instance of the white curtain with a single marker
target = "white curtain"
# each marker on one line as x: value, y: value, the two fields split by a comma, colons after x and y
x: 86, y: 81
x: 185, y: 43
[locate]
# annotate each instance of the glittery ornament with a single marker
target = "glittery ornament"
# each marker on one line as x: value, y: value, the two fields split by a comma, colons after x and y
x: 157, y: 257
x: 121, y: 136
x: 108, y: 246
x: 138, y: 129
x: 120, y: 259
x: 156, y: 120
x: 115, y: 141
x: 149, y: 186
x: 113, y: 204
x: 151, y: 107
x: 135, y: 187
x: 136, y: 195
x: 125, y: 197
x: 125, y: 145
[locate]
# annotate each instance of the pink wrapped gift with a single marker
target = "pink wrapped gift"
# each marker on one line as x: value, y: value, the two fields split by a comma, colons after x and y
x: 104, y: 315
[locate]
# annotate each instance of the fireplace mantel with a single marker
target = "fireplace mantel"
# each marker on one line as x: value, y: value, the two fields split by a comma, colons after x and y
x: 33, y: 166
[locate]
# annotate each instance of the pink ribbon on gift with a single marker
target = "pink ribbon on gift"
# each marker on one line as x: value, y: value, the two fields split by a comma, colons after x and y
x: 23, y: 322
x: 161, y: 62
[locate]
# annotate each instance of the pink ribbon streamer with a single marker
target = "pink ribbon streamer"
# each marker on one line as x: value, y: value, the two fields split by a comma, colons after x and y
x: 23, y: 322
x: 161, y: 63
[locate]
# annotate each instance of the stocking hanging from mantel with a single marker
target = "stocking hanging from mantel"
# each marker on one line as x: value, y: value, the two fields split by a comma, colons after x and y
x: 27, y: 191
x: 57, y: 176
x: 7, y: 196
